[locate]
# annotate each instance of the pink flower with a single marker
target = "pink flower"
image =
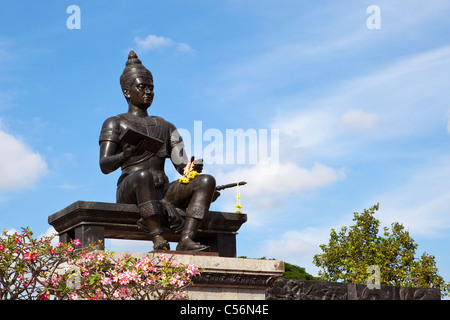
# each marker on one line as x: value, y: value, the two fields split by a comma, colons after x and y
x: 73, y: 296
x: 106, y: 281
x: 18, y: 240
x: 87, y: 258
x: 2, y: 248
x: 70, y: 249
x: 55, y: 280
x: 100, y: 257
x: 126, y: 277
x: 118, y: 264
x: 123, y: 293
x: 180, y: 295
x: 164, y: 258
x: 30, y: 256
x: 122, y: 278
x: 192, y: 270
x: 77, y: 242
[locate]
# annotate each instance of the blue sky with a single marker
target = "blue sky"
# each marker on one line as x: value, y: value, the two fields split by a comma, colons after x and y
x: 363, y: 114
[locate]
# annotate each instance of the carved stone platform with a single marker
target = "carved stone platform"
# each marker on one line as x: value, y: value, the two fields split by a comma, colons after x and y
x: 284, y: 289
x: 93, y: 221
x: 225, y: 278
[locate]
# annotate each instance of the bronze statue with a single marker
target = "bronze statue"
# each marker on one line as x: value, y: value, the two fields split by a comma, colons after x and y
x: 143, y: 180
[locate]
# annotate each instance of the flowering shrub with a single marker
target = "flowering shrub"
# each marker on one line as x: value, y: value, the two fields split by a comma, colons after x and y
x: 34, y: 269
x: 27, y: 264
x: 99, y: 275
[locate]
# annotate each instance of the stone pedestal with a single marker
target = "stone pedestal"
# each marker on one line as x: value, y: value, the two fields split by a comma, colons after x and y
x: 225, y: 278
x: 93, y: 222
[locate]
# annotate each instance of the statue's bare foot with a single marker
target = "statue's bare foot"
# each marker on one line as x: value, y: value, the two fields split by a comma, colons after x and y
x: 159, y: 243
x: 186, y: 244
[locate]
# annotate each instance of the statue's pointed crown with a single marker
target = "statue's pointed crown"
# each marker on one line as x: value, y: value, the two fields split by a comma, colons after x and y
x: 133, y: 59
x: 133, y: 69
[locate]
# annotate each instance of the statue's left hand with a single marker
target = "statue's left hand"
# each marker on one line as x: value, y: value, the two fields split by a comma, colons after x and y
x: 198, y: 165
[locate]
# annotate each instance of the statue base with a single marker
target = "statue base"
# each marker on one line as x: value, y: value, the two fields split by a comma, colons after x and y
x: 225, y: 278
x: 93, y: 222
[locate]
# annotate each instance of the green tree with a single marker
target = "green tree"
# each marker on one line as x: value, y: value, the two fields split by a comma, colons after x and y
x: 294, y: 272
x: 353, y: 249
x: 291, y: 271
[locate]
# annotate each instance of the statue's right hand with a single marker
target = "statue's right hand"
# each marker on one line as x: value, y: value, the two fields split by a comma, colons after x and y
x: 130, y: 150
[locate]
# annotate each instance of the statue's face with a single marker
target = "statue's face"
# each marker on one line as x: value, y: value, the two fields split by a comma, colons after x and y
x: 141, y: 92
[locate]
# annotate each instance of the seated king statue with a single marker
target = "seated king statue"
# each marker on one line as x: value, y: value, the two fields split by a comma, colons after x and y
x: 143, y: 181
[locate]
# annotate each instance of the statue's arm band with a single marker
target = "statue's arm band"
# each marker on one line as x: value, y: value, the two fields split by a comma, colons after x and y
x: 109, y: 134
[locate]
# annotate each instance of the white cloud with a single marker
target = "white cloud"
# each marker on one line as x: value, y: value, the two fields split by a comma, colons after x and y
x: 292, y: 244
x: 287, y: 178
x: 357, y: 120
x: 184, y: 47
x: 20, y: 167
x: 268, y: 188
x: 67, y: 186
x: 309, y: 128
x: 50, y: 232
x: 154, y: 42
x: 297, y: 247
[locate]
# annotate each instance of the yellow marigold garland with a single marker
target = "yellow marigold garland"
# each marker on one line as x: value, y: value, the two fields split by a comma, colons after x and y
x: 238, y: 199
x: 188, y: 173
